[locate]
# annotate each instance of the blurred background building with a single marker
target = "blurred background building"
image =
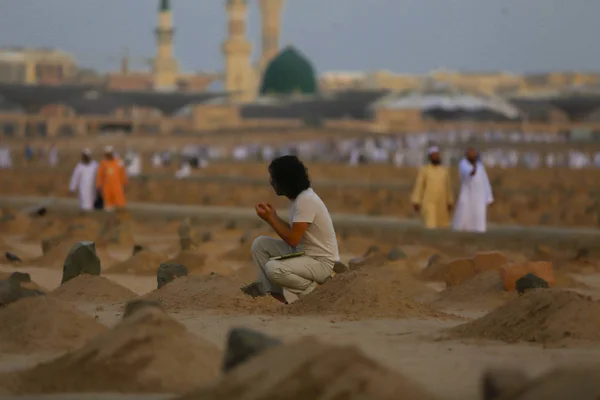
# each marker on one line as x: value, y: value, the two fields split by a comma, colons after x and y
x: 31, y: 66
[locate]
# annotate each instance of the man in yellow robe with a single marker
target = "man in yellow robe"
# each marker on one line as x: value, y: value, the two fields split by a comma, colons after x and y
x: 432, y: 195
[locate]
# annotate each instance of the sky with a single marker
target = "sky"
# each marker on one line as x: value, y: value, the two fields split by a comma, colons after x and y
x: 404, y: 36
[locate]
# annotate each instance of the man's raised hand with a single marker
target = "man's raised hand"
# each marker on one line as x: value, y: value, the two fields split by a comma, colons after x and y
x: 265, y: 211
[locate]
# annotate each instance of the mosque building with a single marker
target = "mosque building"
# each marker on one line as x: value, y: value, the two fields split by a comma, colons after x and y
x: 165, y: 74
x: 276, y: 72
x: 289, y: 73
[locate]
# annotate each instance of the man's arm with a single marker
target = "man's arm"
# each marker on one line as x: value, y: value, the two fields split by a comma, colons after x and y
x: 75, y: 179
x: 291, y: 235
x: 466, y: 169
x: 419, y: 189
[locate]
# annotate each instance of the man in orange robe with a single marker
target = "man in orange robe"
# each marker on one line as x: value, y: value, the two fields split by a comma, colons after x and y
x: 111, y: 180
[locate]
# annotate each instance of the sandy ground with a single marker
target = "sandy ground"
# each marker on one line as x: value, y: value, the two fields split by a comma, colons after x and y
x: 448, y: 368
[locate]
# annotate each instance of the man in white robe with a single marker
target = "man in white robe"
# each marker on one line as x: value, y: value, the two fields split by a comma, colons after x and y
x: 53, y: 156
x: 83, y: 181
x: 5, y: 157
x: 475, y: 195
x: 184, y: 171
x: 156, y: 160
x: 133, y: 162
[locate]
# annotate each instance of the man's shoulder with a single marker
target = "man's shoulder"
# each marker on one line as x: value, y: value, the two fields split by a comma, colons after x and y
x: 307, y: 196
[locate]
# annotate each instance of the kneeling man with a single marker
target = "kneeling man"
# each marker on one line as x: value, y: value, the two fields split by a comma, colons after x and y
x: 309, y: 233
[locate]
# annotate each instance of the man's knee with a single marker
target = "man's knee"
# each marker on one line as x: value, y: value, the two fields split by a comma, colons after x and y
x: 258, y: 245
x: 275, y: 270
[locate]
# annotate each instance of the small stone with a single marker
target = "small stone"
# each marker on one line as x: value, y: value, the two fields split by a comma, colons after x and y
x: 11, y: 291
x: 82, y: 259
x: 396, y: 253
x: 50, y: 243
x: 40, y: 212
x: 186, y: 243
x: 231, y: 225
x: 137, y: 248
x: 245, y: 238
x: 582, y: 254
x: 530, y: 281
x: 185, y: 228
x: 511, y: 273
x: 207, y: 237
x: 11, y: 257
x: 434, y: 259
x: 243, y: 344
x: 22, y: 277
x: 137, y: 304
x: 498, y: 382
x: 168, y: 272
x: 99, y: 308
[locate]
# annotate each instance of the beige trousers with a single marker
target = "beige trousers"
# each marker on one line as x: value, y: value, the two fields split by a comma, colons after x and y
x: 294, y: 274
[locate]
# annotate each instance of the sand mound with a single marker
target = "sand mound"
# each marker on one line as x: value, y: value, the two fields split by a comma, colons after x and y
x: 143, y: 263
x: 308, y: 369
x: 193, y: 260
x: 42, y: 323
x: 42, y: 228
x: 364, y: 294
x: 91, y: 288
x: 26, y: 285
x: 84, y: 228
x: 146, y: 352
x: 211, y: 292
x: 548, y: 316
x: 484, y: 290
x: 55, y: 258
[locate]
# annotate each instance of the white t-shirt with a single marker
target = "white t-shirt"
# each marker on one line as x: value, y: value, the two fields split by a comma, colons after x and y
x: 319, y: 240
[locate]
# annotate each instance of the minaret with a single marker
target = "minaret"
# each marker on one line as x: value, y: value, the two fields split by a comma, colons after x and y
x: 237, y: 50
x: 165, y: 67
x: 271, y: 29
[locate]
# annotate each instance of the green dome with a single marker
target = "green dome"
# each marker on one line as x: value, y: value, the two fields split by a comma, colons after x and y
x: 288, y: 73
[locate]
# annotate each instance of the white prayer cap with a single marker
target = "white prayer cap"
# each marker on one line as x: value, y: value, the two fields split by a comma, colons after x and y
x: 108, y: 150
x: 87, y: 152
x: 433, y: 149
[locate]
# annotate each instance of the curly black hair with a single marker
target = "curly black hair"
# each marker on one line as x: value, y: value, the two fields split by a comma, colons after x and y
x: 289, y: 176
